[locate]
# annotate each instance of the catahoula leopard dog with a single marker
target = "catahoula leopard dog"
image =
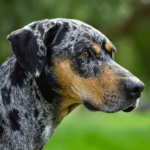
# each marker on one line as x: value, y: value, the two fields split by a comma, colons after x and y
x: 58, y: 65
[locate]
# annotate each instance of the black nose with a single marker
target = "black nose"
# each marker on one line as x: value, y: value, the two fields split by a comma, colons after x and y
x: 134, y: 88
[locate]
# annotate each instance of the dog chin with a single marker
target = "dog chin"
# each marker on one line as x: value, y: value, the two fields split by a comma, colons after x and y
x: 90, y: 106
x: 132, y: 106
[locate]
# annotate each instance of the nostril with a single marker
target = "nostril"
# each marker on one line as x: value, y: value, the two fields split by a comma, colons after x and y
x: 135, y: 89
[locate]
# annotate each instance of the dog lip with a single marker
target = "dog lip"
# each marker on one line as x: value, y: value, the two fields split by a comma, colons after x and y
x: 132, y: 106
x: 129, y: 109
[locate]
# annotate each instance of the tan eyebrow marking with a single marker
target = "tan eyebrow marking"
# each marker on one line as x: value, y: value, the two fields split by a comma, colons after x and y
x: 96, y: 48
x: 108, y: 46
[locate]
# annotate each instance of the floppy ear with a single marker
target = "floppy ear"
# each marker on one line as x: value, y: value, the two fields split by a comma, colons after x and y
x: 29, y: 44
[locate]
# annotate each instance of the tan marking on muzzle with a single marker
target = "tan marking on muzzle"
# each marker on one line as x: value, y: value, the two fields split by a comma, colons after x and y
x: 108, y: 46
x: 96, y: 48
x: 73, y: 87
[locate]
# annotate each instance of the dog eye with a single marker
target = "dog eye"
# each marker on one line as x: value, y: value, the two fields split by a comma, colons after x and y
x: 85, y: 54
x: 112, y: 52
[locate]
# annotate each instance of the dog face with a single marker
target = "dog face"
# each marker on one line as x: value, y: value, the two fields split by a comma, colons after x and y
x: 76, y: 63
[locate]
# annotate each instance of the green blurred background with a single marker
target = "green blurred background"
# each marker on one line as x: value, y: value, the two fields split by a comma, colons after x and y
x: 127, y: 25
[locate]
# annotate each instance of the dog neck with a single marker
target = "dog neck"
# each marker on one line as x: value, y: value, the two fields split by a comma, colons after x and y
x: 34, y: 116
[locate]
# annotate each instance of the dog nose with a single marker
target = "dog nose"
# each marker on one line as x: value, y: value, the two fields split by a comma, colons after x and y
x: 134, y: 88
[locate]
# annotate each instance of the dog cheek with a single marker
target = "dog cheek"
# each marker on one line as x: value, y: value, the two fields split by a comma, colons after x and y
x: 107, y: 89
x: 110, y: 97
x: 68, y: 92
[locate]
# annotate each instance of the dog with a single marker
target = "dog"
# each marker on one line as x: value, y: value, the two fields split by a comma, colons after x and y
x: 58, y: 65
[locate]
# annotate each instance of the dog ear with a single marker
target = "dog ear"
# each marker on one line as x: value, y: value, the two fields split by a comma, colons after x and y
x: 29, y: 44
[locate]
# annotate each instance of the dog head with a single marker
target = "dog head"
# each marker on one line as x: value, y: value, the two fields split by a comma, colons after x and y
x: 76, y: 63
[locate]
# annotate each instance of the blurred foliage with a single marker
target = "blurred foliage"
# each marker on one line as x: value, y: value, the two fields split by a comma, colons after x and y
x: 126, y: 24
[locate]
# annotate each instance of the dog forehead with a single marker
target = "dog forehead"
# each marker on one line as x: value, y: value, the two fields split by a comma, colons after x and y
x: 84, y: 29
x: 76, y: 31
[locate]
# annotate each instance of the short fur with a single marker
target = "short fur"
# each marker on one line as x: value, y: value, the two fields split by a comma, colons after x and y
x: 57, y: 65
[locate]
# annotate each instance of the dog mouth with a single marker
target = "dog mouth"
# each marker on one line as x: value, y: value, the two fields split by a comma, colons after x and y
x: 132, y: 106
x: 128, y: 108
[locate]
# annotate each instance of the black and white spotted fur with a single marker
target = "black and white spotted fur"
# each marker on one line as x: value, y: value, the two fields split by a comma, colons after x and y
x: 28, y: 103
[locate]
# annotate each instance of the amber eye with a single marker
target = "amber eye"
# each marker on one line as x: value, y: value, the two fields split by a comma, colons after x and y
x: 113, y: 51
x: 85, y: 54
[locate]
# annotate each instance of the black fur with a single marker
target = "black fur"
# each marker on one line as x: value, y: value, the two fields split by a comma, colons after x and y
x: 6, y: 96
x: 18, y: 75
x: 14, y: 119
